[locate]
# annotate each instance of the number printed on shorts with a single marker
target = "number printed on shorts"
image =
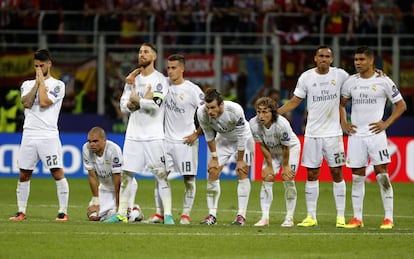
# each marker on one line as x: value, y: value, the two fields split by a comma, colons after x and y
x: 339, y: 157
x: 384, y: 153
x: 186, y: 166
x: 51, y: 160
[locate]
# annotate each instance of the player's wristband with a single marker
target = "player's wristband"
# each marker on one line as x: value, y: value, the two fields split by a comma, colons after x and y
x: 214, y: 154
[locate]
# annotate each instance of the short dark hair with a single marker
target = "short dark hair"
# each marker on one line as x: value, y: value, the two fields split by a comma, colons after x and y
x: 152, y: 46
x: 211, y: 95
x: 177, y: 57
x: 42, y: 55
x: 323, y: 47
x: 365, y: 50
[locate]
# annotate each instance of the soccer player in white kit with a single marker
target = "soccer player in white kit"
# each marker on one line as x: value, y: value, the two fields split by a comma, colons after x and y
x: 181, y: 135
x: 103, y: 160
x: 367, y: 137
x: 281, y: 150
x: 321, y: 87
x: 42, y: 99
x: 144, y: 139
x: 227, y: 134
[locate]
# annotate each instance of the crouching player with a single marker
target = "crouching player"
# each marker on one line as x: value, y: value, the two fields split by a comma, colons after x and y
x: 281, y: 148
x: 103, y: 160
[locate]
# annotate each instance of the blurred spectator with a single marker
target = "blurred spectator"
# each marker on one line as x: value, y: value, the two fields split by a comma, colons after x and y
x: 182, y: 15
x: 389, y: 10
x: 200, y: 11
x: 224, y: 19
x: 28, y: 17
x: 11, y: 112
x: 314, y: 9
x: 9, y: 19
x: 134, y: 19
x: 247, y: 23
x: 120, y: 119
x: 72, y: 21
x: 163, y: 11
x: 265, y: 7
x: 337, y: 10
x: 109, y: 21
x: 406, y: 15
x: 53, y: 18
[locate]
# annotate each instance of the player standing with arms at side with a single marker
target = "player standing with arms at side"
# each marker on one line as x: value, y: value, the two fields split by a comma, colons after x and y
x: 181, y: 135
x: 321, y: 86
x: 144, y: 137
x: 367, y: 137
x: 42, y: 99
x: 281, y: 149
x: 227, y: 134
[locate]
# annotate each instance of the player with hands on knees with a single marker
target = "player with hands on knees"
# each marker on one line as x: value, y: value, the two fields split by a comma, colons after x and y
x: 281, y: 150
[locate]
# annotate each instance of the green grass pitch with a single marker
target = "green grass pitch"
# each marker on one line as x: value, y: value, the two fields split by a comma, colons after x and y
x: 41, y: 237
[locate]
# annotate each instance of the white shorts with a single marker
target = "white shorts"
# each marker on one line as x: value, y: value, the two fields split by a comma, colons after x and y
x: 330, y: 148
x: 49, y: 151
x: 140, y: 156
x: 107, y: 200
x: 294, y: 156
x: 181, y: 158
x: 374, y: 148
x: 227, y: 149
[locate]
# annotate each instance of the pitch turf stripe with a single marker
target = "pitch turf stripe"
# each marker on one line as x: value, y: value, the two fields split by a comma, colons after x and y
x: 206, y: 234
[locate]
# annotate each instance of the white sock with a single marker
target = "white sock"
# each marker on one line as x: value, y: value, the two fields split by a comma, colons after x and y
x: 291, y: 195
x: 243, y: 193
x: 62, y: 188
x: 159, y: 209
x: 189, y: 195
x: 358, y: 193
x: 312, y: 195
x: 213, y: 196
x: 164, y: 191
x: 387, y: 195
x: 22, y: 193
x: 133, y: 193
x: 125, y: 192
x: 339, y: 192
x: 266, y: 198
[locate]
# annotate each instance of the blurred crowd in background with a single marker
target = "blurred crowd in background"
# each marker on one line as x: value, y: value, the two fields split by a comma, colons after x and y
x: 244, y: 16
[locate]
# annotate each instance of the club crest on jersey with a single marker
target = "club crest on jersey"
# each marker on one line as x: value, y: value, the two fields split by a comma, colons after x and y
x: 374, y: 88
x: 333, y: 82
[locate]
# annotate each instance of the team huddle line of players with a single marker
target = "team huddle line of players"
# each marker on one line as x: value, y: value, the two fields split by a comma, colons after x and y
x: 167, y: 116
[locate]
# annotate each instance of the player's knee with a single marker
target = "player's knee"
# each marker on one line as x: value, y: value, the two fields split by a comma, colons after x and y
x: 336, y: 173
x: 160, y: 173
x: 269, y: 178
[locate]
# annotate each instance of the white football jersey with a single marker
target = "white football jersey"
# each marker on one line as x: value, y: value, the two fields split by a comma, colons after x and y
x: 146, y: 123
x: 279, y: 134
x: 42, y: 122
x: 322, y: 93
x: 369, y: 96
x: 110, y: 162
x: 231, y: 125
x: 180, y: 106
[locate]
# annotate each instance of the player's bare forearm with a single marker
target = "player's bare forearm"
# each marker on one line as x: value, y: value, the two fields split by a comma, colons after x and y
x: 29, y: 98
x: 116, y: 179
x: 93, y: 183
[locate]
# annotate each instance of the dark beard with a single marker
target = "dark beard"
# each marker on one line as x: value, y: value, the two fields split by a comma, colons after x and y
x: 144, y: 64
